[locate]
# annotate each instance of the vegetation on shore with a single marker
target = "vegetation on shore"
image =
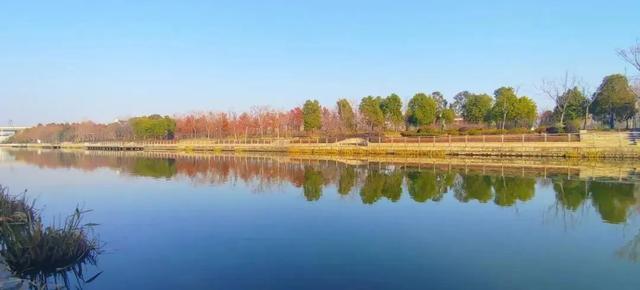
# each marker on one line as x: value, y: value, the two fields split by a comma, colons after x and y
x: 612, y: 105
x: 40, y: 253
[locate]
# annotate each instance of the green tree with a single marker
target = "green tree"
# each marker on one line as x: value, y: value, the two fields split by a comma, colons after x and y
x: 441, y: 102
x: 370, y: 108
x: 444, y: 115
x: 503, y: 107
x: 447, y: 116
x: 421, y: 110
x: 312, y: 115
x: 347, y: 117
x: 557, y: 90
x: 525, y: 112
x: 458, y: 101
x: 153, y: 127
x: 614, y: 100
x: 476, y: 107
x: 573, y: 101
x: 392, y: 109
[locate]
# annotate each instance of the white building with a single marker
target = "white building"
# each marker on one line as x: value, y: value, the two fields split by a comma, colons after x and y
x: 6, y: 132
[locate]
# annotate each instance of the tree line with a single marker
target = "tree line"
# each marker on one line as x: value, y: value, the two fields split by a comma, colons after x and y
x: 613, y: 104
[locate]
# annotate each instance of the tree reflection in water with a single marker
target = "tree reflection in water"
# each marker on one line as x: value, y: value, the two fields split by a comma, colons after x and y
x: 631, y: 250
x: 474, y: 186
x: 393, y: 185
x: 612, y: 200
x: 347, y: 180
x: 428, y: 185
x: 571, y: 193
x: 510, y: 189
x: 313, y: 183
x: 157, y: 168
x: 370, y: 183
x: 373, y: 187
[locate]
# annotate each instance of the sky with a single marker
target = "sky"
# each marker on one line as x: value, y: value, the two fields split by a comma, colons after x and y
x: 66, y: 61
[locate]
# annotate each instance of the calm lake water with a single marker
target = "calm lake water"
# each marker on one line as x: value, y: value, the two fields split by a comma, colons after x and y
x: 173, y: 221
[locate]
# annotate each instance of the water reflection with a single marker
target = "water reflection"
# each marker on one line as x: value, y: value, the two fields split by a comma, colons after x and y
x: 509, y: 189
x: 474, y: 187
x: 373, y: 182
x: 378, y: 184
x: 412, y: 220
x: 346, y: 181
x: 428, y: 185
x: 571, y: 193
x: 158, y: 168
x: 612, y: 200
x: 312, y: 184
x: 631, y: 250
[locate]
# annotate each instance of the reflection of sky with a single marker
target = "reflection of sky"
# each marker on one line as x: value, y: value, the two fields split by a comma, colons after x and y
x: 170, y: 234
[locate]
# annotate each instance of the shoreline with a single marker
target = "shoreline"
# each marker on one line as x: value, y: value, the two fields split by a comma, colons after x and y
x: 600, y: 145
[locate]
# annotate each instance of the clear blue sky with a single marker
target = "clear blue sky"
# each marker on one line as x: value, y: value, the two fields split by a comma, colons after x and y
x: 75, y: 60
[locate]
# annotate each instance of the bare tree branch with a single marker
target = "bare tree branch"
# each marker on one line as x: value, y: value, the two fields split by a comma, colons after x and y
x: 556, y: 89
x: 631, y: 55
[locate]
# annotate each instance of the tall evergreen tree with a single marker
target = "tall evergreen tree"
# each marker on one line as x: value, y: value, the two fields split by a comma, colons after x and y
x: 347, y: 116
x: 312, y: 115
x: 614, y: 100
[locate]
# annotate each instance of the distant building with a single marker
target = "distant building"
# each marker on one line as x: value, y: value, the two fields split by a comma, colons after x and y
x: 7, y: 132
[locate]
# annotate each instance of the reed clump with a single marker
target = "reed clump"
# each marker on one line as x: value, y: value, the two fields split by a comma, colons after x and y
x: 15, y: 209
x: 37, y: 252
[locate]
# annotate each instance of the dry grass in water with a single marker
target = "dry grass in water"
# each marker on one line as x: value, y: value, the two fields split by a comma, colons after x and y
x: 44, y: 254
